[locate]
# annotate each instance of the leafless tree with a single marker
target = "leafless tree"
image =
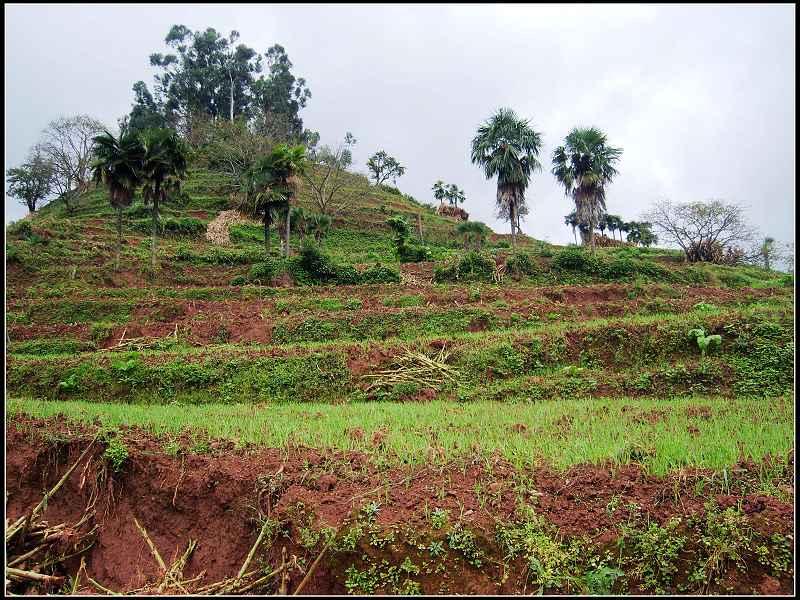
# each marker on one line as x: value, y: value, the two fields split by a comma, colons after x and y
x: 328, y: 177
x: 67, y: 143
x: 701, y: 229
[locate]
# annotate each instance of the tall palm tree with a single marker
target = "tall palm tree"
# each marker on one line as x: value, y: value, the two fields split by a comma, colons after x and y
x: 613, y: 223
x: 439, y: 191
x: 584, y: 165
x: 116, y: 165
x: 602, y: 224
x: 163, y: 168
x: 508, y: 147
x: 271, y: 185
x: 572, y: 220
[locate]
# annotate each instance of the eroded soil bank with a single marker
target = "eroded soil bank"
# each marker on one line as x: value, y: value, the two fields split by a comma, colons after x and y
x: 474, y: 527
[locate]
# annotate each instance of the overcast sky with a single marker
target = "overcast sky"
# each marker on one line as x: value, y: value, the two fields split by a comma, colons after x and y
x: 701, y: 98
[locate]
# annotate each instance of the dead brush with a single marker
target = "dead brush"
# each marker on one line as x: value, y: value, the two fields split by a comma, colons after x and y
x: 35, y: 549
x: 416, y: 367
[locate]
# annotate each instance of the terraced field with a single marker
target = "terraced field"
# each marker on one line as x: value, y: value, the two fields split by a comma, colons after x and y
x: 555, y: 432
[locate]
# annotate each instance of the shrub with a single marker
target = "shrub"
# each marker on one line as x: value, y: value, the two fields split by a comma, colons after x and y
x: 380, y: 274
x: 520, y: 265
x: 407, y: 251
x: 577, y: 260
x: 472, y: 266
x: 185, y: 226
x: 20, y: 230
x: 263, y: 272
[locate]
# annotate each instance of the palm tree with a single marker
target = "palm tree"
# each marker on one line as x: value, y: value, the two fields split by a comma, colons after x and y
x: 508, y: 147
x: 320, y: 225
x: 163, y: 168
x: 454, y: 195
x: 572, y: 220
x: 271, y: 186
x: 584, y: 165
x: 767, y: 250
x: 439, y: 191
x: 602, y: 224
x: 116, y: 165
x: 613, y: 222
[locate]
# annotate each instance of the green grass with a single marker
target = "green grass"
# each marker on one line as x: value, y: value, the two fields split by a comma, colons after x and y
x: 560, y: 433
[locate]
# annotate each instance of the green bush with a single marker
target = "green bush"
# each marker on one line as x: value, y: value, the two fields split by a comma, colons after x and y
x: 20, y: 230
x: 262, y: 273
x: 576, y: 259
x: 380, y: 274
x: 520, y: 265
x: 185, y: 226
x: 472, y: 266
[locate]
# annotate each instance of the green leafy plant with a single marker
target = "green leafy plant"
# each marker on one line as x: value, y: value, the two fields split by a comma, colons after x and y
x: 116, y: 452
x: 705, y: 342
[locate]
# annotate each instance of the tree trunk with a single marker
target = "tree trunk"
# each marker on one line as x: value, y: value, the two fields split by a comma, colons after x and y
x: 154, y: 241
x: 266, y: 230
x: 575, y: 235
x: 512, y: 208
x: 119, y: 237
x: 288, y: 230
x: 231, y: 76
x: 419, y: 227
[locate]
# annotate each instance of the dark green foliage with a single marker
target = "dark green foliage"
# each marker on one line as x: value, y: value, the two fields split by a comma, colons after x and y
x: 45, y: 347
x: 262, y: 273
x: 472, y: 266
x: 521, y: 265
x: 177, y: 227
x: 380, y: 274
x: 20, y: 230
x: 577, y: 260
x: 406, y: 249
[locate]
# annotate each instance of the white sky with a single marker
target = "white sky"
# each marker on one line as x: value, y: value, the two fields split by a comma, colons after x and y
x: 701, y: 98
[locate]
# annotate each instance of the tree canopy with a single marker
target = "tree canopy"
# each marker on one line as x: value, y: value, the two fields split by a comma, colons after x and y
x: 507, y: 147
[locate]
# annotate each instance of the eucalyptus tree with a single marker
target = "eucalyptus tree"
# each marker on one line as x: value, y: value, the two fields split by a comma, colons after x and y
x: 117, y: 165
x: 584, y: 165
x: 507, y: 147
x: 163, y: 168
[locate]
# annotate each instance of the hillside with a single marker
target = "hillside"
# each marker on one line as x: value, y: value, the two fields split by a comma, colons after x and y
x: 545, y: 423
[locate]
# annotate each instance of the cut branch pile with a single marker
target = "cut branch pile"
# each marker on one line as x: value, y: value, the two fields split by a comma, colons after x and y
x: 35, y: 550
x: 416, y: 367
x: 141, y: 343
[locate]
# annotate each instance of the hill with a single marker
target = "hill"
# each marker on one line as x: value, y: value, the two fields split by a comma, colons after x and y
x: 476, y: 423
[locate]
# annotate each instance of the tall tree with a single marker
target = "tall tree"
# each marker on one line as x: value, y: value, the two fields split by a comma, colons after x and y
x: 455, y: 196
x: 117, y: 165
x: 383, y: 167
x: 328, y: 177
x: 507, y: 147
x: 767, y: 251
x: 584, y: 165
x: 614, y: 223
x: 205, y: 74
x: 279, y: 97
x: 67, y: 144
x: 572, y: 220
x: 31, y: 182
x: 273, y: 182
x: 145, y: 113
x: 701, y: 229
x: 163, y: 168
x: 439, y: 191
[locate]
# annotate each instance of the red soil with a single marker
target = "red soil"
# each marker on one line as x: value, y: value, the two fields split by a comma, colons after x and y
x: 215, y: 497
